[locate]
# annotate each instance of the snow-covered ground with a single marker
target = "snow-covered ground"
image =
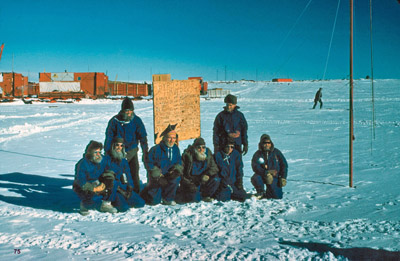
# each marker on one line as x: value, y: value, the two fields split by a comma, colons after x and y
x: 320, y: 217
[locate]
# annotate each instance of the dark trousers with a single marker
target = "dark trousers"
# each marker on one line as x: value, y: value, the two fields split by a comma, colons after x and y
x: 273, y: 190
x: 225, y: 194
x: 154, y: 192
x: 134, y: 167
x: 320, y: 104
x: 205, y: 190
x: 123, y: 204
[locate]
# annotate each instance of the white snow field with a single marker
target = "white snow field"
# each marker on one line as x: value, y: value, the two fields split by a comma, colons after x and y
x: 319, y: 218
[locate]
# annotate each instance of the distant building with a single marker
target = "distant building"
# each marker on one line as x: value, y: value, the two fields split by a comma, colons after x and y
x: 203, y: 85
x: 129, y: 89
x: 281, y: 80
x: 91, y: 84
x: 13, y: 84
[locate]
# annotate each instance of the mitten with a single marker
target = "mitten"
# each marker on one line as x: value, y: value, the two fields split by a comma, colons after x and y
x: 204, y: 179
x: 268, y: 178
x: 174, y: 172
x: 155, y: 173
x: 281, y: 182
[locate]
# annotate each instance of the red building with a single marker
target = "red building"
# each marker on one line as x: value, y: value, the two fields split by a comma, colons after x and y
x: 203, y: 85
x: 14, y: 84
x: 91, y: 84
x: 282, y: 80
x: 129, y: 89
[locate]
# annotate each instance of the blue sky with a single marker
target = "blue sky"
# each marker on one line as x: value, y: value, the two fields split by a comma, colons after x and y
x: 232, y: 40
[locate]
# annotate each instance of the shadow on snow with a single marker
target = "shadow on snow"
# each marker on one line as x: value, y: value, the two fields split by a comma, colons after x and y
x: 350, y: 253
x: 40, y: 192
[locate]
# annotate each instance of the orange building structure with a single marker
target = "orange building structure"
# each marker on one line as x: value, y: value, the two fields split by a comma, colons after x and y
x: 129, y: 89
x: 203, y: 85
x: 281, y: 80
x: 70, y: 85
x: 14, y: 84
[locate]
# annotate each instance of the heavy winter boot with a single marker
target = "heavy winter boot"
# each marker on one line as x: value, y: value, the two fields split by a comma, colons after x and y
x: 107, y: 207
x: 83, y: 210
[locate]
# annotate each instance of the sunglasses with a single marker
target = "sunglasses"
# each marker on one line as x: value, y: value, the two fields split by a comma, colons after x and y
x: 230, y: 146
x: 267, y: 142
x: 201, y: 147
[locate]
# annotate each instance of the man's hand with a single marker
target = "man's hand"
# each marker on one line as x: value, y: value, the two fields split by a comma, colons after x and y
x: 234, y: 134
x: 205, y: 178
x: 99, y: 188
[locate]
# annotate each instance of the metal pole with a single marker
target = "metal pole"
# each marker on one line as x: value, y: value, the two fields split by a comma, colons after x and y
x: 351, y: 97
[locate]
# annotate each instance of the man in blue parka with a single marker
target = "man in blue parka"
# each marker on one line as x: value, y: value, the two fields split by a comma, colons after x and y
x: 164, y: 170
x: 88, y: 185
x: 230, y: 164
x: 128, y: 126
x: 230, y: 123
x: 200, y: 173
x: 123, y: 190
x: 270, y: 168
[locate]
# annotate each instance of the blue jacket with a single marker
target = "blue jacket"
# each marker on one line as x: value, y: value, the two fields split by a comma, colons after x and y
x: 88, y: 171
x: 132, y: 132
x: 274, y: 159
x: 119, y: 168
x: 229, y: 122
x: 230, y: 166
x: 158, y: 156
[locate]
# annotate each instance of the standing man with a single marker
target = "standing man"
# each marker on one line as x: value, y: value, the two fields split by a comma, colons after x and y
x: 164, y: 170
x: 270, y: 168
x: 123, y: 189
x: 318, y: 98
x: 230, y: 123
x: 200, y: 173
x: 128, y: 126
x: 87, y: 185
x: 230, y: 165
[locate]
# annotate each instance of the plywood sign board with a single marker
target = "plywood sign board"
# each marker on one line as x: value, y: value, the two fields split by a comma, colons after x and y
x: 176, y: 102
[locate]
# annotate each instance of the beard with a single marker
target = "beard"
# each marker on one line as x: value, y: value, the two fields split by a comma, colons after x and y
x: 96, y: 159
x: 125, y: 117
x: 200, y: 156
x: 117, y: 155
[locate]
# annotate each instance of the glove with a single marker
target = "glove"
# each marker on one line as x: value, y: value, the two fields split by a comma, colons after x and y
x: 204, y: 179
x: 174, y: 172
x: 108, y: 178
x: 245, y: 149
x: 99, y: 188
x: 155, y: 173
x: 268, y: 178
x: 281, y: 182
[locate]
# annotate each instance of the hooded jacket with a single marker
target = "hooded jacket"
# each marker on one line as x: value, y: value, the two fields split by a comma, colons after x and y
x: 158, y: 157
x: 274, y: 159
x: 230, y: 122
x: 132, y: 132
x: 119, y: 167
x: 87, y: 171
x: 193, y: 169
x: 230, y: 167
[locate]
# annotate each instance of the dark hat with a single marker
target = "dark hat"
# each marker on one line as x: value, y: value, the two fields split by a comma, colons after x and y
x: 93, y: 145
x: 168, y: 130
x: 198, y: 142
x: 118, y: 140
x: 127, y: 104
x: 265, y: 137
x: 230, y: 99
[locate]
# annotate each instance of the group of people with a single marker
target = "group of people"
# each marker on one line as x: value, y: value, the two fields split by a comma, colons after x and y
x: 111, y: 183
